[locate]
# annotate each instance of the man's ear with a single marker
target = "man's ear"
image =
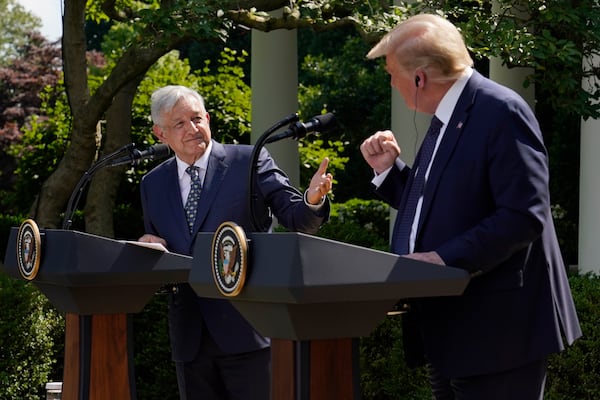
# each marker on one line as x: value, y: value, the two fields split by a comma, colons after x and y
x: 419, y: 78
x: 159, y: 133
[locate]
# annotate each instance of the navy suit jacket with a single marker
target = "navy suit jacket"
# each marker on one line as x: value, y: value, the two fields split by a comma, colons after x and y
x: 224, y: 198
x: 486, y: 209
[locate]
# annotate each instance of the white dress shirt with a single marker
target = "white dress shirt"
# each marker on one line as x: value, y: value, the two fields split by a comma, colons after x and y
x: 185, y: 180
x: 443, y: 112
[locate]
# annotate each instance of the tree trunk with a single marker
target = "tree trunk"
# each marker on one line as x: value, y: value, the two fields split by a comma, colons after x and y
x: 101, y: 198
x: 87, y: 110
x: 56, y: 189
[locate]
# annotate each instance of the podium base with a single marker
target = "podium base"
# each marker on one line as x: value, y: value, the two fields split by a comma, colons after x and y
x: 98, y: 357
x: 315, y: 370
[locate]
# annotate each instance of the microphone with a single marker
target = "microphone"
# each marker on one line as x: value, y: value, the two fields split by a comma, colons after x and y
x: 136, y: 156
x: 298, y: 130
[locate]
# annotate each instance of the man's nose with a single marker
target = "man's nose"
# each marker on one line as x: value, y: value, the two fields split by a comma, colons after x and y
x: 194, y: 125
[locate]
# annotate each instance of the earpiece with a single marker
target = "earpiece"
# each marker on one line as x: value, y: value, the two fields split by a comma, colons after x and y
x: 417, y: 80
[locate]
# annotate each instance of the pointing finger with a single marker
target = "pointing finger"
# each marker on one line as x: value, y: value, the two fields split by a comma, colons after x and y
x: 323, y: 167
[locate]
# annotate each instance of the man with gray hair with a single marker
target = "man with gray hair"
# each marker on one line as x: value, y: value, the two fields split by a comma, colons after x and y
x: 218, y: 355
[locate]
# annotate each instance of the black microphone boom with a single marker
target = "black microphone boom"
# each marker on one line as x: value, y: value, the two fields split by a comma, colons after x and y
x: 296, y: 130
x: 320, y: 123
x: 136, y: 156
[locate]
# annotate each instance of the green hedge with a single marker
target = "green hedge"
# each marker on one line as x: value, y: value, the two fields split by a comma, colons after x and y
x: 155, y: 377
x: 31, y: 333
x: 574, y: 373
x: 31, y: 340
x: 360, y: 222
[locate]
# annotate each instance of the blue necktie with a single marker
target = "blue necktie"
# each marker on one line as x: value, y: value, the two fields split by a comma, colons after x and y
x: 405, y: 219
x: 191, y: 204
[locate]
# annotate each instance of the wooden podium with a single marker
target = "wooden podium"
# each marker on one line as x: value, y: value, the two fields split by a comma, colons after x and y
x: 314, y: 297
x: 98, y: 282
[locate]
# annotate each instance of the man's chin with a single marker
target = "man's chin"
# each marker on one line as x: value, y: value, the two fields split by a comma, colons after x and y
x: 197, y: 149
x: 201, y: 147
x: 197, y: 145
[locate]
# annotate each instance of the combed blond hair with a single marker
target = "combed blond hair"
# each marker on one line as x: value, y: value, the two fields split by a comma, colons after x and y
x: 428, y: 42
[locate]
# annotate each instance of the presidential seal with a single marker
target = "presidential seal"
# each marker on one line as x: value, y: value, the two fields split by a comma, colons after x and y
x: 229, y: 258
x: 29, y: 245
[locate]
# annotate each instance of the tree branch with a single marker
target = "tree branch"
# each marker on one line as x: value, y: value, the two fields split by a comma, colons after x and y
x: 291, y: 20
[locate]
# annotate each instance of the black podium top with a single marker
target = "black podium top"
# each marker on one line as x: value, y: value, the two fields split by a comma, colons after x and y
x: 83, y: 274
x: 298, y: 286
x: 304, y: 287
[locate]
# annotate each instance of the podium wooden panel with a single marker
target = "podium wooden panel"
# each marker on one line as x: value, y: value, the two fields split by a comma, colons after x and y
x: 312, y: 369
x: 104, y: 353
x: 282, y: 369
x: 72, y: 364
x: 99, y: 283
x: 326, y: 357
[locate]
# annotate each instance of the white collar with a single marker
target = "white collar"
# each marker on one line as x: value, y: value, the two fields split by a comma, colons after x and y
x: 446, y: 107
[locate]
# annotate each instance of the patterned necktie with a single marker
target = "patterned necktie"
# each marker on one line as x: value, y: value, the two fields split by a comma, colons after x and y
x: 405, y: 221
x: 191, y: 204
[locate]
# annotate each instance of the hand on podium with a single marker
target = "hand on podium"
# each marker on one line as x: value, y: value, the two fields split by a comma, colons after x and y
x: 152, y: 241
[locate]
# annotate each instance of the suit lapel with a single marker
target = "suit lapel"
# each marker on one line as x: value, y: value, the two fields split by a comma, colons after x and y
x: 453, y: 132
x: 173, y: 198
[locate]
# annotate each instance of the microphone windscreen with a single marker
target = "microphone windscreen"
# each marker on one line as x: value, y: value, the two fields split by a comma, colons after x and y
x: 326, y: 121
x: 161, y: 150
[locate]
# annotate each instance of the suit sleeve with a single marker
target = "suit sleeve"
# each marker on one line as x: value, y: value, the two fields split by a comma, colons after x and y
x: 285, y: 201
x: 143, y: 193
x: 392, y: 188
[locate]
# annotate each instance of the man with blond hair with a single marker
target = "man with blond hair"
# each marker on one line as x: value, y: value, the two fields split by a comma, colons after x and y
x: 476, y: 198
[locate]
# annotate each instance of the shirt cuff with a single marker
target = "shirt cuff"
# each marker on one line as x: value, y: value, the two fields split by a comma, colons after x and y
x: 379, y: 178
x: 313, y: 207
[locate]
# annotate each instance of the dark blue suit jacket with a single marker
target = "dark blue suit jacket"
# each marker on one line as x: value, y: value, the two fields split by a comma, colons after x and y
x: 224, y: 198
x: 486, y: 209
